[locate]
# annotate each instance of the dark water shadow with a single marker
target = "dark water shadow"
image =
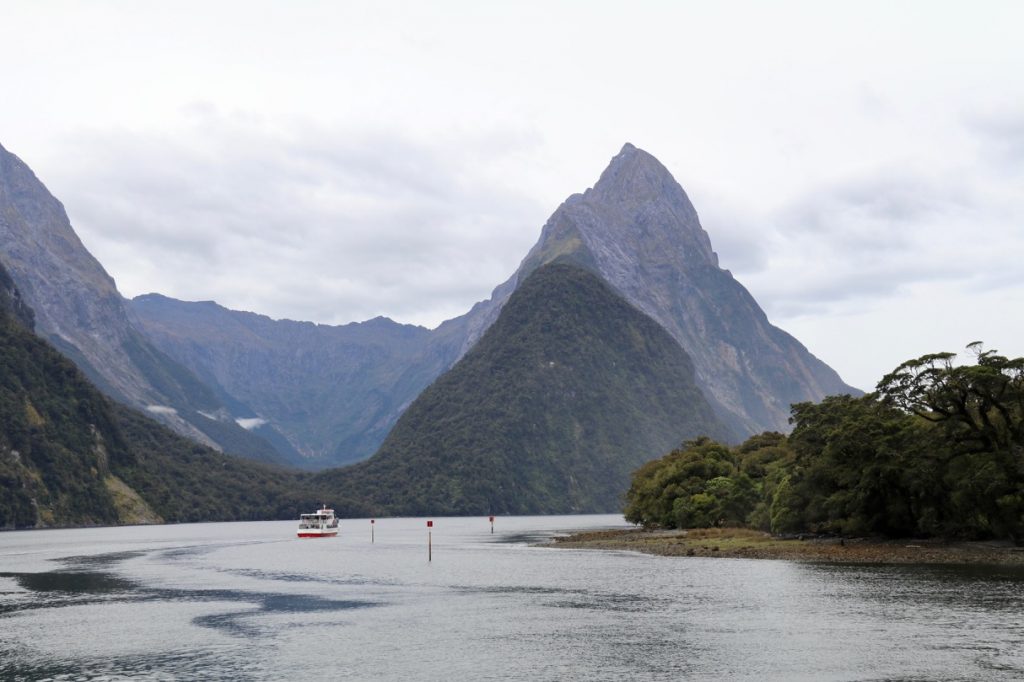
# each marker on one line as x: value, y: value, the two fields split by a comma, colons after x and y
x: 57, y: 589
x: 71, y: 582
x: 990, y: 589
x: 94, y: 561
x: 947, y: 572
x: 277, y: 576
x: 526, y: 537
x: 234, y: 623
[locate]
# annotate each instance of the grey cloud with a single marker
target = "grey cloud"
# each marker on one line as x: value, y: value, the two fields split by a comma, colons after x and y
x: 737, y: 235
x: 340, y: 225
x: 331, y: 226
x: 875, y: 211
x: 1001, y: 134
x: 820, y: 292
x: 870, y: 238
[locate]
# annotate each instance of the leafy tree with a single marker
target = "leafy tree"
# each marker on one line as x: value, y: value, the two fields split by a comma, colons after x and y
x: 856, y: 468
x: 980, y: 410
x: 980, y: 405
x: 697, y: 485
x: 768, y: 460
x: 937, y: 451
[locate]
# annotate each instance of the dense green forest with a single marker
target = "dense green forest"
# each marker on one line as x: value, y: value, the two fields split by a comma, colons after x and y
x: 50, y: 459
x: 936, y: 451
x: 569, y: 390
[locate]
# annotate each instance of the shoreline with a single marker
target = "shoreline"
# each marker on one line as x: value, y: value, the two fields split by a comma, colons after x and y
x: 742, y: 543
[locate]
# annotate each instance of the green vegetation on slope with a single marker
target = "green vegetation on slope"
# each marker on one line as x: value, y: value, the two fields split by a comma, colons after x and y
x: 184, y: 481
x: 53, y: 457
x: 69, y: 456
x: 938, y: 450
x: 565, y: 394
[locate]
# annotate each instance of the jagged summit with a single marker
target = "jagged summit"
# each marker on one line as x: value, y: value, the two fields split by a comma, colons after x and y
x: 637, y: 229
x: 637, y: 198
x: 637, y: 175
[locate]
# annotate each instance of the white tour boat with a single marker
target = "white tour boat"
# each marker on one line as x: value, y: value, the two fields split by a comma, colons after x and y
x: 321, y: 524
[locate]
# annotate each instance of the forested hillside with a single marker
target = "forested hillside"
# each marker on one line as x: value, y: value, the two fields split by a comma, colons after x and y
x: 565, y: 394
x: 937, y: 450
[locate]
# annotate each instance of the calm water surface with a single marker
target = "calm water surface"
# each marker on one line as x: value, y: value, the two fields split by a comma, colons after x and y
x: 249, y: 601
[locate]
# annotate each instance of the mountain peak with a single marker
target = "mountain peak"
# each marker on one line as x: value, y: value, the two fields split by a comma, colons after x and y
x: 636, y: 174
x: 637, y: 229
x: 635, y: 216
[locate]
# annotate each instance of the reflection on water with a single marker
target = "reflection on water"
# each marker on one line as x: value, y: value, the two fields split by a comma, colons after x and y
x: 246, y: 601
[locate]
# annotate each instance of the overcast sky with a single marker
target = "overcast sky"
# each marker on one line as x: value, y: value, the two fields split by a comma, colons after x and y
x: 860, y: 168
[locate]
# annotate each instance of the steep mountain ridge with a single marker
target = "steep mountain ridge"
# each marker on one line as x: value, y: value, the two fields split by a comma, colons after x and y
x: 56, y: 442
x: 566, y: 394
x: 79, y: 310
x: 74, y: 299
x: 618, y: 336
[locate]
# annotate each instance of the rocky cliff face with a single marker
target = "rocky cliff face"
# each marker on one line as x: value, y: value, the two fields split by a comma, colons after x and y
x: 75, y: 300
x: 78, y: 309
x: 13, y: 304
x: 637, y: 229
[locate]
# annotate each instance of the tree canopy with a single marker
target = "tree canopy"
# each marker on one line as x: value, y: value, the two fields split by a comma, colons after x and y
x: 937, y: 450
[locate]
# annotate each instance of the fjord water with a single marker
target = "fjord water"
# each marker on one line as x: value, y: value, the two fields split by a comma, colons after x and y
x: 250, y: 601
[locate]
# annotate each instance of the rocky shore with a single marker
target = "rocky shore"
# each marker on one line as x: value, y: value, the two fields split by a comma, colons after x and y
x: 749, y: 544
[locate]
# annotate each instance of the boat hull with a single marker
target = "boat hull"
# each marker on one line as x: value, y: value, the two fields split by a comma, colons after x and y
x: 317, y: 534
